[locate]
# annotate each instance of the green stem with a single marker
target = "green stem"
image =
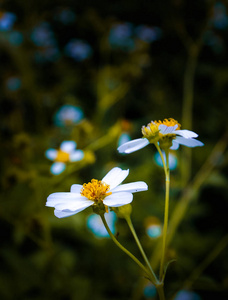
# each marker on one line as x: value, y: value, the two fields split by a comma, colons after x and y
x: 162, y: 158
x: 124, y: 249
x: 129, y: 222
x: 160, y: 290
x: 166, y: 216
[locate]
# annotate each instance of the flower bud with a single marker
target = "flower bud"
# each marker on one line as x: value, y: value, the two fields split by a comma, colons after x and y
x: 123, y: 211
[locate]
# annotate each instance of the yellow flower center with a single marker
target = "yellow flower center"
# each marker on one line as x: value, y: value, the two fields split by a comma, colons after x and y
x: 95, y: 190
x: 151, y: 132
x: 62, y: 156
x: 166, y: 140
x: 168, y: 122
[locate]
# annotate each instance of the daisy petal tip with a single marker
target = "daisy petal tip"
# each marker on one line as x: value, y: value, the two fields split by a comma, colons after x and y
x: 145, y: 186
x: 133, y: 145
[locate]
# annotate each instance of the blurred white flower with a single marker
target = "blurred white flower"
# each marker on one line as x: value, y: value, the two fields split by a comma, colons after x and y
x: 66, y: 153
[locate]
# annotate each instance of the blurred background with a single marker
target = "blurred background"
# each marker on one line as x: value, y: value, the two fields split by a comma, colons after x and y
x: 94, y: 72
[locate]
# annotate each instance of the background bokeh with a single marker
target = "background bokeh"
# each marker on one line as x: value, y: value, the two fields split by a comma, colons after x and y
x: 94, y: 72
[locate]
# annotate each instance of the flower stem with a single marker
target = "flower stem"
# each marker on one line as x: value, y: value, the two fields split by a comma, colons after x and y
x: 162, y: 158
x: 129, y: 222
x: 124, y: 249
x: 166, y: 216
x: 160, y: 290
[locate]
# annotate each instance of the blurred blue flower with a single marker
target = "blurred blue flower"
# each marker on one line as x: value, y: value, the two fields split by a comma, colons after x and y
x: 13, y: 83
x: 154, y: 231
x: 220, y: 18
x: 172, y: 160
x: 214, y: 41
x: 148, y: 34
x: 7, y: 20
x: 78, y: 50
x: 187, y: 295
x: 65, y: 16
x: 149, y: 291
x: 121, y: 36
x: 153, y: 227
x: 42, y: 35
x: 95, y: 224
x: 124, y: 137
x: 68, y: 115
x: 66, y: 153
x: 15, y: 38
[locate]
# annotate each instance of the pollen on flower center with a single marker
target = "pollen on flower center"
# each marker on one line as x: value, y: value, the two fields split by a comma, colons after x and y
x: 95, y: 190
x: 151, y: 131
x: 62, y: 156
x: 168, y: 122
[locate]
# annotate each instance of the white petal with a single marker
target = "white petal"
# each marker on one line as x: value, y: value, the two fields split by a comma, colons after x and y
x: 132, y: 187
x: 68, y: 201
x: 68, y: 146
x: 76, y: 155
x: 64, y: 214
x: 51, y: 154
x: 76, y: 188
x: 57, y: 168
x: 167, y: 129
x: 175, y: 146
x: 186, y: 133
x: 57, y: 198
x: 74, y: 205
x: 188, y: 142
x: 133, y: 145
x: 124, y: 138
x: 118, y: 199
x: 115, y: 177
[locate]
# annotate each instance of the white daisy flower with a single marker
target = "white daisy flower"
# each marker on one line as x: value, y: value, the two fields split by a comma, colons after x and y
x: 108, y: 192
x: 167, y: 133
x: 66, y: 153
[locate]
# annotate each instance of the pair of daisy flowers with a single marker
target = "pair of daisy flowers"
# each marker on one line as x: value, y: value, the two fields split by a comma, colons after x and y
x: 109, y: 192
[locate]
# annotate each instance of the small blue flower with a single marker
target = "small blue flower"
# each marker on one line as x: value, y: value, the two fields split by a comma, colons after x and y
x: 13, y: 83
x: 7, y: 20
x: 220, y: 18
x: 66, y: 153
x: 121, y: 36
x: 65, y: 16
x: 149, y: 291
x: 124, y: 138
x: 154, y: 231
x: 148, y: 34
x: 187, y: 295
x: 78, y: 50
x: 153, y: 227
x: 95, y: 224
x: 42, y: 35
x: 15, y: 38
x: 68, y: 115
x: 172, y: 160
